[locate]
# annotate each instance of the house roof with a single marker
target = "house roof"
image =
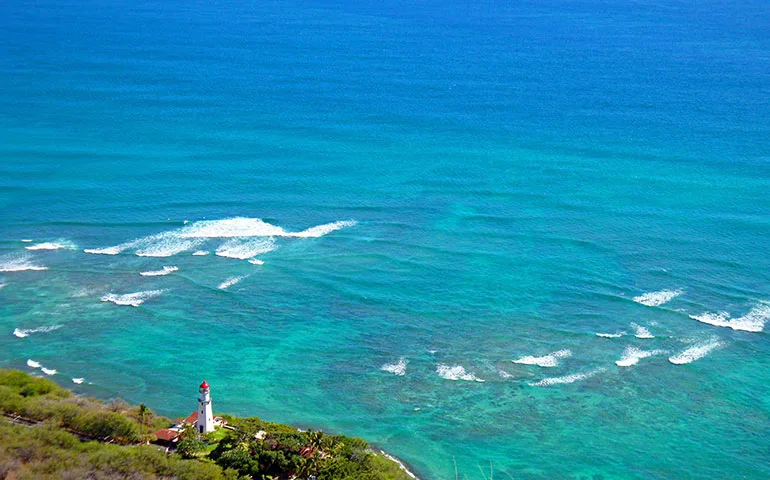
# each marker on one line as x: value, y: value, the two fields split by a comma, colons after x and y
x: 193, y: 418
x: 167, y: 435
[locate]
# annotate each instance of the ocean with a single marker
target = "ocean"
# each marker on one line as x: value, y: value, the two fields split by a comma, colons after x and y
x: 496, y: 239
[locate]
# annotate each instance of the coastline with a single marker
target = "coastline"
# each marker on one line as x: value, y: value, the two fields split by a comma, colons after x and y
x: 34, y: 409
x: 402, y: 464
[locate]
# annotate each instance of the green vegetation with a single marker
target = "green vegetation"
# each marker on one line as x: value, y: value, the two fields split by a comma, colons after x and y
x: 65, y: 436
x: 263, y: 450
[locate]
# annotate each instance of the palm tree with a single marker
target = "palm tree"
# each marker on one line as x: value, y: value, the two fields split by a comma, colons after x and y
x: 142, y: 413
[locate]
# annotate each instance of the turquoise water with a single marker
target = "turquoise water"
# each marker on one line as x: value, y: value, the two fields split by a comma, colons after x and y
x: 493, y: 182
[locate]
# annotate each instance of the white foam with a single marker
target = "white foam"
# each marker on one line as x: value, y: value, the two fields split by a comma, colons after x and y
x: 157, y: 273
x: 243, y: 249
x: 165, y: 245
x: 399, y: 463
x: 230, y: 282
x: 200, y: 253
x: 611, y: 335
x: 57, y: 245
x: 256, y: 261
x: 231, y: 228
x: 33, y: 364
x: 170, y: 243
x: 503, y: 373
x: 104, y: 251
x: 696, y: 352
x: 398, y: 368
x: 18, y: 263
x: 656, y: 299
x: 550, y: 360
x: 78, y: 381
x: 455, y: 373
x: 632, y: 355
x: 131, y: 299
x: 26, y: 240
x: 641, y: 332
x: 48, y: 371
x: 21, y: 333
x: 321, y: 230
x: 575, y: 377
x: 754, y: 321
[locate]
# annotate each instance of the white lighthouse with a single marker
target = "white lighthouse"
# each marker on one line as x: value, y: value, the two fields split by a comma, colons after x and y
x: 205, y: 423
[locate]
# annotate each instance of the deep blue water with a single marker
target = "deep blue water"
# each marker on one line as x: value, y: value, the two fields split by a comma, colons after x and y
x: 512, y: 176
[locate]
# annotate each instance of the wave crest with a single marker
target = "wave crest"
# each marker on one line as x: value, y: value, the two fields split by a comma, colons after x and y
x: 641, y: 332
x: 550, y: 360
x: 158, y: 273
x: 456, y: 372
x: 656, y: 299
x: 242, y: 249
x: 632, y: 355
x: 193, y: 235
x: 575, y: 377
x: 22, y: 333
x: 754, y: 321
x: 57, y: 245
x: 696, y: 352
x: 397, y: 368
x: 18, y: 263
x: 230, y: 282
x: 611, y: 335
x: 131, y: 299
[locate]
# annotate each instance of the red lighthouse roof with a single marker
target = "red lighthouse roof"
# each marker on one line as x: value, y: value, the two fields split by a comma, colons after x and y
x: 204, y: 384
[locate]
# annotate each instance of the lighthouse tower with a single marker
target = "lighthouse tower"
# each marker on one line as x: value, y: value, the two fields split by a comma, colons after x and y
x: 205, y: 423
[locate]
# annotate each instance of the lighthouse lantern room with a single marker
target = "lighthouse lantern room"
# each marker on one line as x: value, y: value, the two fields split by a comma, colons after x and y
x: 205, y: 423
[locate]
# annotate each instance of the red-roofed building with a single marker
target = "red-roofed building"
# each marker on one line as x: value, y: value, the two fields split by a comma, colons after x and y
x: 167, y: 435
x: 192, y: 419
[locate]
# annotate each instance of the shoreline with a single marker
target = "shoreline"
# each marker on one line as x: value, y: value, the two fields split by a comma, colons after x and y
x: 114, y: 423
x: 402, y: 464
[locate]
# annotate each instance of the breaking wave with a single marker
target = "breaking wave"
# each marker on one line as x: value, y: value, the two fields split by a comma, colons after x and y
x: 550, y: 360
x: 131, y: 299
x: 195, y: 234
x: 611, y: 335
x: 321, y: 230
x: 398, y: 368
x: 21, y: 333
x: 754, y: 321
x: 48, y: 371
x: 243, y: 249
x: 656, y: 299
x: 167, y: 245
x: 230, y: 282
x: 18, y: 263
x: 696, y: 352
x: 33, y: 364
x: 632, y: 355
x: 641, y: 332
x: 200, y: 253
x: 78, y: 381
x: 57, y: 245
x: 157, y: 273
x: 456, y: 372
x: 575, y: 377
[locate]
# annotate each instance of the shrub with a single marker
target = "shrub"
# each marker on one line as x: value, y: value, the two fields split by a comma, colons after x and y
x: 189, y: 447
